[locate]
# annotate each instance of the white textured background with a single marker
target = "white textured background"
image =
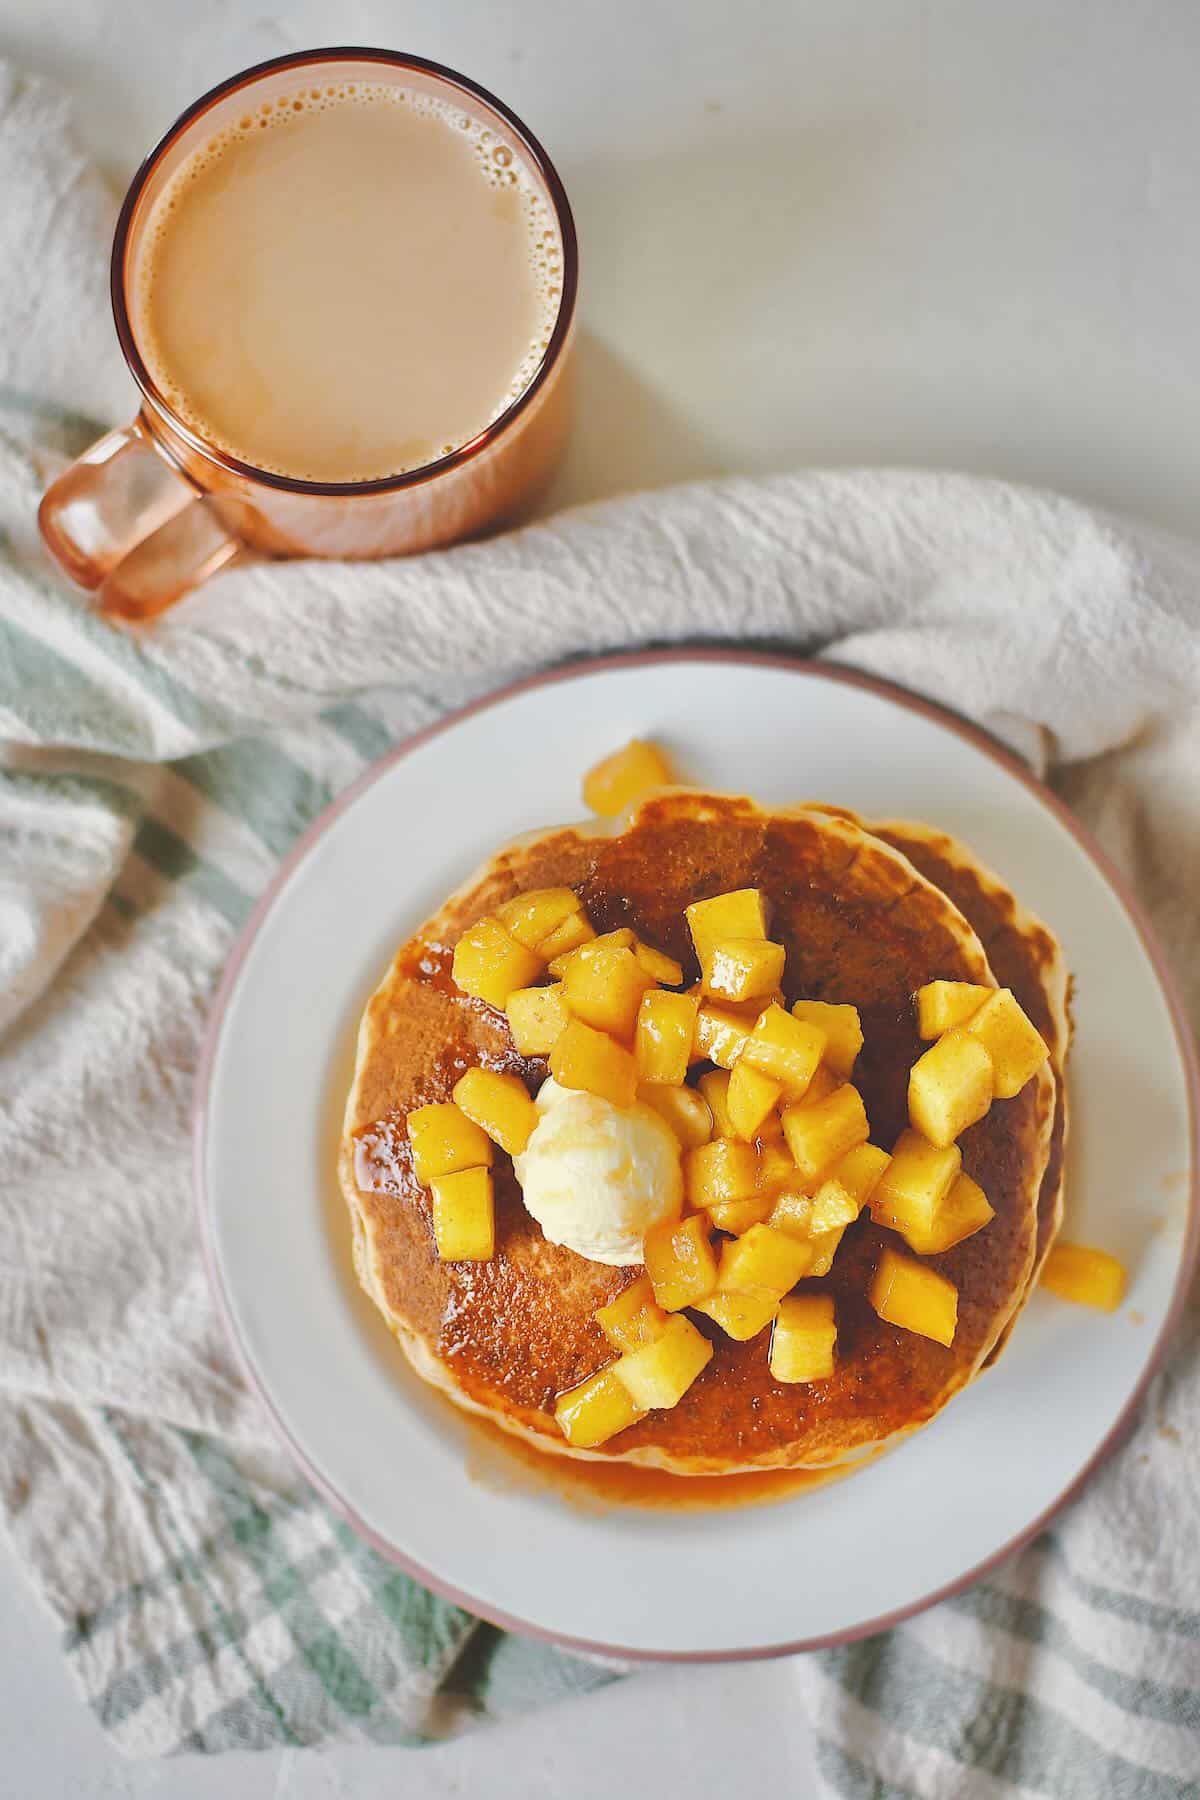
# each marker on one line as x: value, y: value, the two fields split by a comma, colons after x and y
x: 957, y: 232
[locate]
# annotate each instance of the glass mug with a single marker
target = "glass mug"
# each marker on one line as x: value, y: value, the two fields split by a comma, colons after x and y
x: 152, y: 510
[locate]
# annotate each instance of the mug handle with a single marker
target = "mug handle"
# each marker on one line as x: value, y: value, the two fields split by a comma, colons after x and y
x: 126, y: 524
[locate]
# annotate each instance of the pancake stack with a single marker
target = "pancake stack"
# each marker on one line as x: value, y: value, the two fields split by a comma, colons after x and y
x: 868, y: 914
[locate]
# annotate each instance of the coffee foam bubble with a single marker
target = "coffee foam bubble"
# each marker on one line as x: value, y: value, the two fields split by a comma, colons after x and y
x: 502, y: 167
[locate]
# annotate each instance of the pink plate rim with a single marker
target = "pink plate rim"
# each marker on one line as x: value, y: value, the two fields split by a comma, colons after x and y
x: 635, y: 659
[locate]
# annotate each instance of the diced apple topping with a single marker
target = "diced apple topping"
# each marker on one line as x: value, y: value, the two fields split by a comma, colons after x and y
x: 911, y: 1189
x: 464, y: 1219
x: 500, y: 1105
x: 536, y: 1016
x: 907, y: 1293
x: 603, y: 985
x: 585, y: 1058
x: 792, y: 1210
x: 819, y: 1135
x: 755, y: 1272
x: 596, y: 1410
x: 634, y: 1318
x: 943, y: 1005
x: 842, y: 1028
x: 720, y: 1035
x: 627, y: 775
x: 660, y: 1373
x: 621, y: 939
x: 666, y: 1025
x: 720, y: 1171
x: 1016, y: 1047
x: 576, y: 929
x: 788, y: 1050
x: 657, y: 963
x: 737, y: 1216
x: 825, y: 1246
x: 685, y: 1111
x: 680, y: 1262
x: 739, y: 914
x: 964, y: 1211
x: 715, y: 1088
x: 444, y: 1140
x: 950, y: 1087
x: 743, y: 968
x: 1088, y: 1277
x: 489, y: 963
x: 531, y: 917
x: 858, y: 1172
x: 750, y: 1097
x: 775, y: 1166
x: 803, y: 1340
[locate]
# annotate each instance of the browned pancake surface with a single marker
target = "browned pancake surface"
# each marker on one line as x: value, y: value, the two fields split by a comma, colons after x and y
x: 860, y: 925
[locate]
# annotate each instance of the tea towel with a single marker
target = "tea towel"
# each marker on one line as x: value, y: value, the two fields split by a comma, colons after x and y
x: 148, y: 786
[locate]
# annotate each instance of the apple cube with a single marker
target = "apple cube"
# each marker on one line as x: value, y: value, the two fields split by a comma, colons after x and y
x: 737, y: 1216
x: 842, y: 1028
x: 596, y: 1410
x: 740, y: 1316
x: 943, y: 1005
x: 739, y: 914
x: 825, y: 1245
x: 593, y: 1061
x: 634, y: 1317
x: 750, y: 1097
x: 720, y: 1035
x: 662, y: 1044
x: 715, y: 1088
x: 1088, y: 1277
x: 489, y: 964
x: 763, y: 1257
x: 536, y: 1016
x: 531, y: 917
x: 775, y: 1166
x: 1016, y: 1047
x: 444, y: 1140
x: 685, y: 1111
x: 820, y: 1135
x: 803, y: 1339
x: 791, y: 1211
x: 464, y: 1216
x: 680, y: 1262
x: 788, y: 1050
x: 614, y: 784
x: 860, y: 1171
x: 576, y: 929
x: 743, y: 968
x: 719, y: 1171
x: 621, y: 939
x: 499, y: 1105
x: 950, y: 1088
x: 604, y: 988
x: 658, y: 964
x: 907, y: 1293
x: 964, y: 1211
x: 659, y: 1374
x: 915, y: 1183
x: 823, y: 1083
x: 833, y: 1207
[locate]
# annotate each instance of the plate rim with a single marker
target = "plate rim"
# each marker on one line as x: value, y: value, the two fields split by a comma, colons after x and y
x: 578, y: 668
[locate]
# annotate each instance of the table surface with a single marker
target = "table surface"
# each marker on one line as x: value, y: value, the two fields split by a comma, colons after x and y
x: 934, y: 232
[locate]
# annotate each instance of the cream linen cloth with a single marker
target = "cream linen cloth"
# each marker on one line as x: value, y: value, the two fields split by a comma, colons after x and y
x: 148, y: 786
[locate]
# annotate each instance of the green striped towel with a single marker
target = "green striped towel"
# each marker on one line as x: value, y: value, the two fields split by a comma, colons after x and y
x: 148, y: 786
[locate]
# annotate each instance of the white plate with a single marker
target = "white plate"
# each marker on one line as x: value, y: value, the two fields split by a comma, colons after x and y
x: 395, y: 1459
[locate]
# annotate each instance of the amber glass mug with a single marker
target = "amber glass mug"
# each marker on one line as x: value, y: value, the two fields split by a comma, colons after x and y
x: 152, y: 509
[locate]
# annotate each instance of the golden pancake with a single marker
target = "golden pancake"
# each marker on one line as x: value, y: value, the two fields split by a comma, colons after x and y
x: 505, y: 1337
